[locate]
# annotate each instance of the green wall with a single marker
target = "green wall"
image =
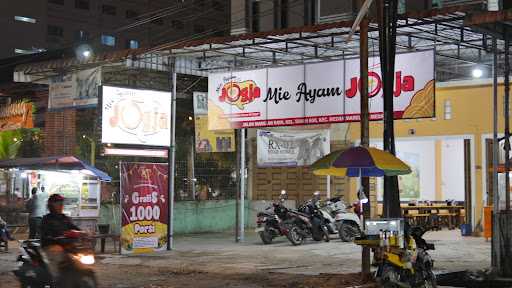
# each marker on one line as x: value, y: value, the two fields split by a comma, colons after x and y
x: 189, y: 216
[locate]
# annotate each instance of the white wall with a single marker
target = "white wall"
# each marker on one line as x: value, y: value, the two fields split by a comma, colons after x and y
x: 452, y: 179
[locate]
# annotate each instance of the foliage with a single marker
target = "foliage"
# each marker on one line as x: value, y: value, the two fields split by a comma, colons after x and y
x: 23, y: 143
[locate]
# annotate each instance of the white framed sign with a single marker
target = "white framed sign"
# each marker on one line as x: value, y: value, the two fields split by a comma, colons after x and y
x: 318, y: 93
x: 135, y: 116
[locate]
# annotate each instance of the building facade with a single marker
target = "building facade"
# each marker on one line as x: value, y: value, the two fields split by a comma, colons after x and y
x: 35, y: 26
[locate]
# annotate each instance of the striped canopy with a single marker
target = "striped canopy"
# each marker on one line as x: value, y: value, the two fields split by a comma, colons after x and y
x: 360, y: 162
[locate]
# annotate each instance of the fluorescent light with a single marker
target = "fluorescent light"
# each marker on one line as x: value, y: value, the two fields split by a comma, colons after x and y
x: 477, y: 73
x: 25, y: 19
x: 162, y: 153
x: 86, y: 53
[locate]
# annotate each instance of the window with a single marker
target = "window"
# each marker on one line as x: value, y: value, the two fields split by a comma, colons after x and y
x: 132, y: 44
x: 108, y: 10
x: 81, y: 35
x: 131, y: 14
x: 108, y: 40
x: 57, y: 2
x: 55, y: 31
x: 177, y: 24
x: 82, y: 4
x: 447, y: 110
x: 25, y: 19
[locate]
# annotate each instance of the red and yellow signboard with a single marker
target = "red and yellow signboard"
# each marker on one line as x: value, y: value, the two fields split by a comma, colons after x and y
x: 144, y: 205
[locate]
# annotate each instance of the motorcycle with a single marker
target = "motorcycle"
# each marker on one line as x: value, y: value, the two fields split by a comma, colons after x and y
x: 340, y: 220
x: 33, y: 269
x: 270, y: 225
x: 409, y: 267
x: 306, y: 222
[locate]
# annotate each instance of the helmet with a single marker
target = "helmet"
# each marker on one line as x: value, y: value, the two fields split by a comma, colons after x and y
x: 55, y: 198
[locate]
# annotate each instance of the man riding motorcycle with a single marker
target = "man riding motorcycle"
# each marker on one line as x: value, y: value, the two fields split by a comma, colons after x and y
x: 53, y: 228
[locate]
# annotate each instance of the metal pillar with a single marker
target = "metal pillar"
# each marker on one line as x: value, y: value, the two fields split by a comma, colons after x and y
x: 242, y: 184
x: 507, y: 124
x: 172, y: 155
x: 495, y: 162
x: 387, y: 45
x: 365, y: 128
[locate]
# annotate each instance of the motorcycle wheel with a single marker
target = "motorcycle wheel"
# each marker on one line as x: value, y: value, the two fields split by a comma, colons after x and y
x: 87, y: 281
x: 348, y: 232
x: 389, y: 277
x: 326, y: 234
x: 295, y: 236
x: 266, y: 237
x: 430, y: 280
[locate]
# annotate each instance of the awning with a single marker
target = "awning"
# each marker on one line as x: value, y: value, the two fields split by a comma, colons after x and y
x: 55, y: 163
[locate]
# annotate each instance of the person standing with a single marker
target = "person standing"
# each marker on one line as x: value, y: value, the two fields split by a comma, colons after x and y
x: 36, y: 206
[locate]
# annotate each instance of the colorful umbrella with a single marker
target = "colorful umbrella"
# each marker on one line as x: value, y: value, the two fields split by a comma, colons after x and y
x: 360, y: 162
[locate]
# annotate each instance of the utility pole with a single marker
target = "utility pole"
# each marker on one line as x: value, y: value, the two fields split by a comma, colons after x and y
x: 387, y: 45
x: 365, y: 128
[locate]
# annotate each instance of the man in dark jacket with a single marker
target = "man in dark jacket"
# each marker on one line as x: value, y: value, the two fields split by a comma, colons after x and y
x: 53, y: 226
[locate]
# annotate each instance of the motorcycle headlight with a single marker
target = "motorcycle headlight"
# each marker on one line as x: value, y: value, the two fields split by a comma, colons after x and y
x: 85, y: 259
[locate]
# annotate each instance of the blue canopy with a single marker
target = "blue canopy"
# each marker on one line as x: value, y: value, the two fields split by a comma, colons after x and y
x: 55, y: 163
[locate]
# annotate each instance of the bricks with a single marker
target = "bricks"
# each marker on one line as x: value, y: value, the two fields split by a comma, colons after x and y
x: 60, y: 132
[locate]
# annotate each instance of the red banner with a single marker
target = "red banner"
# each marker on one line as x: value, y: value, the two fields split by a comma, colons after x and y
x: 144, y: 205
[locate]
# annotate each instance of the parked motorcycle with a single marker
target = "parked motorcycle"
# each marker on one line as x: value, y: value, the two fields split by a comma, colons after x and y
x: 307, y: 221
x: 409, y: 267
x: 270, y: 224
x: 340, y: 220
x: 79, y: 258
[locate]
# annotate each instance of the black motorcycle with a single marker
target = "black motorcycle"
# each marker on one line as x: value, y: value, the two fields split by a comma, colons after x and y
x: 77, y: 271
x: 269, y: 225
x: 306, y: 222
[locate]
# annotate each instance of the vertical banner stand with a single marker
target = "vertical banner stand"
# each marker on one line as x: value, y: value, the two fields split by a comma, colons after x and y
x: 172, y: 155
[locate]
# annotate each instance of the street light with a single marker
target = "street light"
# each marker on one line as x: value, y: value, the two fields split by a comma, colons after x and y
x: 477, y: 73
x: 83, y: 52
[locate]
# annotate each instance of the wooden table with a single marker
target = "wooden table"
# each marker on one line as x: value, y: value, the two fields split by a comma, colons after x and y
x: 424, y: 211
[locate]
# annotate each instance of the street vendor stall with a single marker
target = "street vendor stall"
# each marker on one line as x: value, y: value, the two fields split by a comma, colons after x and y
x: 77, y: 181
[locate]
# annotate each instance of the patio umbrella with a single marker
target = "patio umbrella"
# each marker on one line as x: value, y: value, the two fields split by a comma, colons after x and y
x: 360, y: 162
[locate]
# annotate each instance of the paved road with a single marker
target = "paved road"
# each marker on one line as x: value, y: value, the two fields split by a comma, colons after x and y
x: 210, y: 255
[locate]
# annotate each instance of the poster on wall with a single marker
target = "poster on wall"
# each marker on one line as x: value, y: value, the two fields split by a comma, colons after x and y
x: 135, y: 116
x: 317, y: 93
x: 409, y: 185
x: 77, y: 89
x: 291, y: 149
x: 144, y: 205
x: 208, y: 141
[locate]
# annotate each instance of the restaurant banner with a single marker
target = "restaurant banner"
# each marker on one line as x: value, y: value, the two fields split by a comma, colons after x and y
x: 15, y: 116
x: 208, y: 141
x: 77, y: 89
x: 135, y: 116
x: 144, y: 205
x: 318, y: 93
x: 291, y: 149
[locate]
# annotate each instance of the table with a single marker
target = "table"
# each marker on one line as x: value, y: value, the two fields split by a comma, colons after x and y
x: 427, y: 212
x: 103, y: 237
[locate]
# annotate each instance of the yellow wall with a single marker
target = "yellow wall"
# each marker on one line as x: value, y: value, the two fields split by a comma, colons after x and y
x: 472, y: 113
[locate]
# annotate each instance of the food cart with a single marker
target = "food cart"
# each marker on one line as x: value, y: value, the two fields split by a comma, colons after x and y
x: 77, y: 181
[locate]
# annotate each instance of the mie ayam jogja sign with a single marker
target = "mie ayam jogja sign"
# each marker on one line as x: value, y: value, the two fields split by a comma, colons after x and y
x: 318, y: 93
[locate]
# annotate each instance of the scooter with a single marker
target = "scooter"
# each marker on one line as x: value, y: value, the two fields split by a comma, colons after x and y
x: 270, y: 225
x: 340, y: 220
x: 33, y: 269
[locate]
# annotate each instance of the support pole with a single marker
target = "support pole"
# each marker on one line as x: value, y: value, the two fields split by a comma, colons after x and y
x: 387, y: 45
x: 507, y: 123
x: 239, y: 180
x: 365, y: 129
x: 172, y: 155
x: 495, y: 162
x: 242, y: 184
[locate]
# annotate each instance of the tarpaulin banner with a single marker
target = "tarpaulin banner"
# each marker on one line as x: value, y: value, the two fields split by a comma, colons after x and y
x: 291, y: 149
x: 15, y: 116
x: 318, y: 93
x: 144, y: 205
x: 77, y: 89
x: 208, y: 141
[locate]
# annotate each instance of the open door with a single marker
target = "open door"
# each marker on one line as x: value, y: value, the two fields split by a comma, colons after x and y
x: 467, y: 182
